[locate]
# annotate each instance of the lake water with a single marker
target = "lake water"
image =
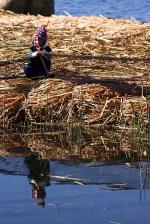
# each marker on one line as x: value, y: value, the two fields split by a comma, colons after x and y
x: 138, y: 9
x: 109, y: 193
x: 74, y: 177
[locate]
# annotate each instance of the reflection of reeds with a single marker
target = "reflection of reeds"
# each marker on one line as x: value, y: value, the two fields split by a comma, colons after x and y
x: 12, y: 145
x: 79, y: 143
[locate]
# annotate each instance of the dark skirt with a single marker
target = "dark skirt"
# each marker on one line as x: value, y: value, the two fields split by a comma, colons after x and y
x: 30, y: 71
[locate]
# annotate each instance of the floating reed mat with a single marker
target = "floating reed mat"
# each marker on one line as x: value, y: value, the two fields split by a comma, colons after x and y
x: 94, y: 45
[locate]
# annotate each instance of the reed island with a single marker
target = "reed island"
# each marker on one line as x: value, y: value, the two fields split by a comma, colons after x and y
x: 100, y: 67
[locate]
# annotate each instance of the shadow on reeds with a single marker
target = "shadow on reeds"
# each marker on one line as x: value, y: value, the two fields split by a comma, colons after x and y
x: 136, y: 88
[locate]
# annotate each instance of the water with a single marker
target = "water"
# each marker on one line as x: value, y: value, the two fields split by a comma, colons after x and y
x: 70, y: 204
x: 74, y: 175
x: 100, y: 197
x: 137, y: 9
x: 80, y: 176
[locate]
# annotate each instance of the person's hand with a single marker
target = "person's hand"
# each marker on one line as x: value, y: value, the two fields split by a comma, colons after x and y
x: 40, y: 53
x: 35, y: 54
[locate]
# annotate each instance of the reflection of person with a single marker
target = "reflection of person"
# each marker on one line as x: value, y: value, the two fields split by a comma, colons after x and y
x: 38, y: 177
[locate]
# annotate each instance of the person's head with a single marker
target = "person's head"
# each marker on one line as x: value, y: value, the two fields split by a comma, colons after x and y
x: 40, y: 204
x: 38, y: 192
x: 40, y: 37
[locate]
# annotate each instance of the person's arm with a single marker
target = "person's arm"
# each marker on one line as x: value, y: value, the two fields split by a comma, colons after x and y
x: 47, y: 53
x: 33, y: 54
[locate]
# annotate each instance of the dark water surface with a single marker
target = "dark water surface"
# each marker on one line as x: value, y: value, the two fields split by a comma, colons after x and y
x: 138, y: 9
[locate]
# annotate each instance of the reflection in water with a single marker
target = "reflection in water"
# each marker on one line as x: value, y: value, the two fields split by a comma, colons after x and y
x: 38, y: 177
x: 61, y: 143
x: 98, y: 175
x: 112, y: 159
x: 112, y: 176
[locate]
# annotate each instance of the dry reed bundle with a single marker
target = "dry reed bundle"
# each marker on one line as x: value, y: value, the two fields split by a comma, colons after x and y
x: 62, y: 101
x: 49, y: 100
x: 10, y: 103
x: 12, y: 96
x: 134, y: 111
x: 57, y: 100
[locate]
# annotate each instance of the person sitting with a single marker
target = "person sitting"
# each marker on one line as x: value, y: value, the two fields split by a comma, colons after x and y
x: 39, y: 62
